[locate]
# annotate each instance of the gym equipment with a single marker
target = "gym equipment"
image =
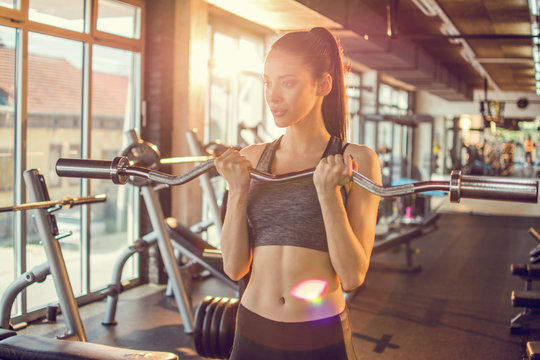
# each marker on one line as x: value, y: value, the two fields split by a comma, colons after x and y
x: 66, y: 203
x: 533, y: 350
x: 214, y: 326
x: 459, y: 186
x: 13, y: 346
x: 55, y: 265
x: 23, y: 347
x: 529, y: 318
x: 168, y: 235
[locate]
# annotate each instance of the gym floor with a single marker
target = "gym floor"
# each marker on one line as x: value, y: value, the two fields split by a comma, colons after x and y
x: 457, y: 307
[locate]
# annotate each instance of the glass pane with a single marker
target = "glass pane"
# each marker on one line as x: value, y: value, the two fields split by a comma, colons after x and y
x: 250, y: 99
x: 250, y: 55
x: 224, y: 70
x: 369, y: 134
x: 10, y: 4
x: 113, y: 100
x: 425, y: 149
x: 385, y: 94
x: 54, y: 126
x: 66, y: 14
x: 403, y: 99
x: 119, y: 18
x: 7, y: 160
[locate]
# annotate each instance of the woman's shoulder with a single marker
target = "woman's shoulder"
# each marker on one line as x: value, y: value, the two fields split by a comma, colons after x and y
x: 361, y: 152
x: 367, y: 159
x: 253, y: 152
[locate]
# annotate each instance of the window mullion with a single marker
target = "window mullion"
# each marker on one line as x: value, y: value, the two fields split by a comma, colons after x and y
x: 21, y: 126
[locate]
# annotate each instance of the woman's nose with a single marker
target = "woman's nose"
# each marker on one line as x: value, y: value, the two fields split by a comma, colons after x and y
x: 274, y: 96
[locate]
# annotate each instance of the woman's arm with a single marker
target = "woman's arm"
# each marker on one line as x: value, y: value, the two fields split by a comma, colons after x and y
x: 350, y: 228
x: 233, y: 166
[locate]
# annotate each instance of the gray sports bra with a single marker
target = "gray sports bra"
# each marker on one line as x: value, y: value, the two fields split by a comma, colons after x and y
x: 287, y: 213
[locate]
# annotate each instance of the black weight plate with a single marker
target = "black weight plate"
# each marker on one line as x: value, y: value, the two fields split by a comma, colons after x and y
x: 206, y: 341
x: 214, y: 326
x: 227, y: 327
x: 198, y: 326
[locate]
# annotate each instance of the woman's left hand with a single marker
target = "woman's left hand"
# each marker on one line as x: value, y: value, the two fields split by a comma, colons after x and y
x: 333, y: 171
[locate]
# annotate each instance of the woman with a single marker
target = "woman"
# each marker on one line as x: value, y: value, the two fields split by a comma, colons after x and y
x: 305, y: 235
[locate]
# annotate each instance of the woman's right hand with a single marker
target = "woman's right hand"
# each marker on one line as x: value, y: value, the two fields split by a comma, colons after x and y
x: 234, y: 167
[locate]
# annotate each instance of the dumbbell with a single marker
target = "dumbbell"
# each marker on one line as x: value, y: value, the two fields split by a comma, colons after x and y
x: 215, y: 322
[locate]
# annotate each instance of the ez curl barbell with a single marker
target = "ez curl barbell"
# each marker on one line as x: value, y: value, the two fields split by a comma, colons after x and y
x: 459, y: 186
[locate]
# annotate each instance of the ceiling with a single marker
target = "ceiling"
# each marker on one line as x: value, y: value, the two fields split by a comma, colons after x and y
x: 465, y: 45
x: 450, y: 49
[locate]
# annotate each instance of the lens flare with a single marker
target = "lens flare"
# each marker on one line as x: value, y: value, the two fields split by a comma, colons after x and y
x: 311, y: 290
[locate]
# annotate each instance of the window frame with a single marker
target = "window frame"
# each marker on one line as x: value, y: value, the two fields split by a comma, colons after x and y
x: 90, y: 36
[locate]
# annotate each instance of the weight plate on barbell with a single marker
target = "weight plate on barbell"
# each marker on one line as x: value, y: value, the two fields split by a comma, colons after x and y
x: 198, y: 324
x: 227, y: 328
x: 214, y: 327
x: 206, y: 340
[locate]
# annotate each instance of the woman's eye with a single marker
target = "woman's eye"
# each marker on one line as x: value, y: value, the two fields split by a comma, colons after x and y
x: 288, y: 83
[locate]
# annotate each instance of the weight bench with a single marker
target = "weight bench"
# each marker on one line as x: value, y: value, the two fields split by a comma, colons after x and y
x: 15, y: 347
x: 196, y: 249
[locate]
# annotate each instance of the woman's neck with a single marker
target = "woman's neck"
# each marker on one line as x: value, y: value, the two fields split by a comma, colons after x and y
x: 305, y: 137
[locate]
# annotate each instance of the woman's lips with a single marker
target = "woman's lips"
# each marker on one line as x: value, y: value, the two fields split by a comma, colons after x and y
x: 278, y: 112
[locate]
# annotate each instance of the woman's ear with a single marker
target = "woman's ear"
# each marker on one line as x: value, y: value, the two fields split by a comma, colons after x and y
x: 325, y: 85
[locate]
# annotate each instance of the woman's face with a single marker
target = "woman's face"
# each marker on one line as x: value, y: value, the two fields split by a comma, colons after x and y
x: 290, y: 90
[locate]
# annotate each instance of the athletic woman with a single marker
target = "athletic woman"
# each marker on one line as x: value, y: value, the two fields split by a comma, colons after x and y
x: 305, y: 240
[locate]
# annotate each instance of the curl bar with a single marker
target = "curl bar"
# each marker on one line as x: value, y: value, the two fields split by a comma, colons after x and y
x: 145, y: 154
x: 460, y: 186
x: 67, y: 202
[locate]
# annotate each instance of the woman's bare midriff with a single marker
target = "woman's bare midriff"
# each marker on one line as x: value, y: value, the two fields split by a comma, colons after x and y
x: 277, y: 270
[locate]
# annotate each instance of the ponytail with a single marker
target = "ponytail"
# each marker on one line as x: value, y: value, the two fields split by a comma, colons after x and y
x: 322, y: 53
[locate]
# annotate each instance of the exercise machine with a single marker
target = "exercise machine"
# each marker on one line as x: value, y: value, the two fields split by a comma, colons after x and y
x: 73, y: 343
x: 171, y: 237
x: 55, y: 266
x: 529, y: 299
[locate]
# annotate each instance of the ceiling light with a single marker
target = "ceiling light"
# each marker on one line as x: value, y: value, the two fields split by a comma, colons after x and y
x: 426, y: 6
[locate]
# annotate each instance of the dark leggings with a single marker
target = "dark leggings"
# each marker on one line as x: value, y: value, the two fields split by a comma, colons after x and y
x: 258, y: 338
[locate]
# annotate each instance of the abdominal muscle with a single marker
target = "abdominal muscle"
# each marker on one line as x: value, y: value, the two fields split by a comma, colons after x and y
x: 277, y: 270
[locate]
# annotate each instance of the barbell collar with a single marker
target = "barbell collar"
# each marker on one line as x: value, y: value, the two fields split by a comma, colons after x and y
x: 455, y: 186
x: 118, y: 170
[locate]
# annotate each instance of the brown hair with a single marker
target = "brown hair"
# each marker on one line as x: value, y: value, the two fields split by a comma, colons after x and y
x: 323, y: 54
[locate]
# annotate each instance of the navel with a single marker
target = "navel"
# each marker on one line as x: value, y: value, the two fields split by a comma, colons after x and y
x: 282, y: 300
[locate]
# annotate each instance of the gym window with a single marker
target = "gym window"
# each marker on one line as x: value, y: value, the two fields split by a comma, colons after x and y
x: 70, y: 85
